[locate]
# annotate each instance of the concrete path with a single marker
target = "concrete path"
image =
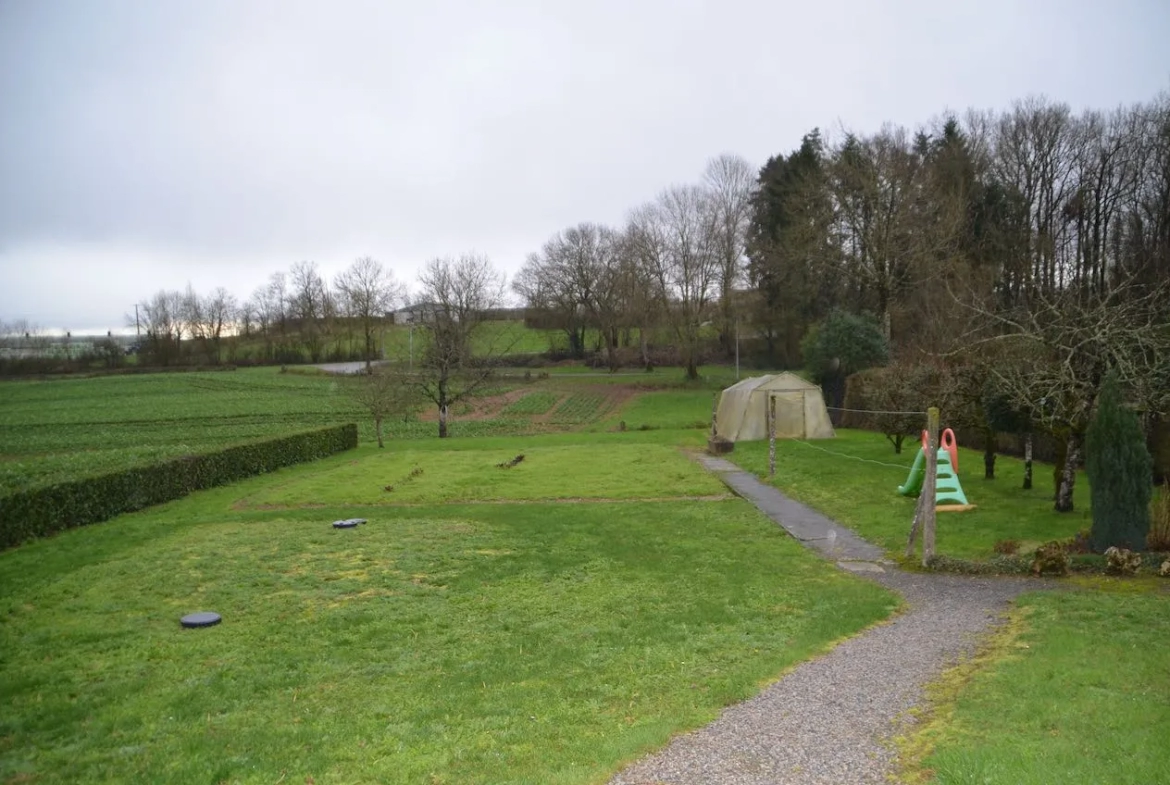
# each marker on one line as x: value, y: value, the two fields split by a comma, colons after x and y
x: 831, y: 719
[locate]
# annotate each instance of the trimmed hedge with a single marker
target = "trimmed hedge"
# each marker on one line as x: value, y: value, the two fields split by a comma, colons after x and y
x: 41, y: 512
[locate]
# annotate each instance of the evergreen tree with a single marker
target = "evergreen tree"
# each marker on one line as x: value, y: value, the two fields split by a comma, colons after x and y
x: 1119, y: 469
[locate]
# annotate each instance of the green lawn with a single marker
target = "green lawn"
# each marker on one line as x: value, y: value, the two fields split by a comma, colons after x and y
x: 1082, y: 695
x: 606, y: 470
x: 485, y: 643
x: 862, y: 494
x: 666, y: 409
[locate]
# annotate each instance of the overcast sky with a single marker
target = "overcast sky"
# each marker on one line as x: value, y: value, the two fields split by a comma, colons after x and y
x: 145, y: 144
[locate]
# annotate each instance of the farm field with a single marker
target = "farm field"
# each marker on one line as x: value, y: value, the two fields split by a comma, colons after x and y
x: 509, y: 642
x: 52, y: 431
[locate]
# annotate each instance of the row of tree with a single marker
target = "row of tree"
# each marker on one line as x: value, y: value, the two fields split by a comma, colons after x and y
x: 292, y: 310
x: 676, y: 263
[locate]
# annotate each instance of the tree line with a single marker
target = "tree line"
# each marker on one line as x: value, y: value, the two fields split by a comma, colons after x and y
x: 293, y: 311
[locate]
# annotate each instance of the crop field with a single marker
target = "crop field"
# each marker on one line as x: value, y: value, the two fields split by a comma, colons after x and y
x: 66, y: 428
x: 52, y: 431
x: 533, y: 403
x: 580, y: 408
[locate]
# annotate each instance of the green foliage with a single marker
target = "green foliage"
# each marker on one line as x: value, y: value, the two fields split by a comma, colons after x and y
x: 533, y: 403
x: 48, y: 510
x: 579, y: 408
x: 842, y: 344
x: 1119, y: 469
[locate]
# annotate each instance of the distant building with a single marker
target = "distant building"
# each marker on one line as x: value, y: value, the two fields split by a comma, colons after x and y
x: 415, y: 314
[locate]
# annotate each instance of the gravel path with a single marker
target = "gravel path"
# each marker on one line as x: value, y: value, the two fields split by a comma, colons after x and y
x: 829, y: 720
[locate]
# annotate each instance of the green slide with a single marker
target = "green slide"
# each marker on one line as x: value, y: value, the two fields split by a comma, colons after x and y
x: 913, y: 485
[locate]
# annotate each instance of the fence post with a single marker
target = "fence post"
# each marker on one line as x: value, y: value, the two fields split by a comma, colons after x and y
x: 771, y: 435
x: 714, y: 414
x: 929, y: 485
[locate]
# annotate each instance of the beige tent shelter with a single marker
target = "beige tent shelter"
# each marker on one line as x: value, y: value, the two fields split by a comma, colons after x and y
x: 742, y: 414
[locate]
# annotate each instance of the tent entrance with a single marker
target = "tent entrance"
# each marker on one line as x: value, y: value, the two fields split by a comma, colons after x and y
x: 789, y: 414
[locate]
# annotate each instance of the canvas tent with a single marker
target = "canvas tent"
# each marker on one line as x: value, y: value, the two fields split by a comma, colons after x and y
x: 742, y: 414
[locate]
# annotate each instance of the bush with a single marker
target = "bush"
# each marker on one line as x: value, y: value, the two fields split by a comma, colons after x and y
x: 1050, y: 557
x: 45, y: 511
x: 1158, y: 538
x: 1120, y: 471
x: 1120, y: 561
x: 842, y: 344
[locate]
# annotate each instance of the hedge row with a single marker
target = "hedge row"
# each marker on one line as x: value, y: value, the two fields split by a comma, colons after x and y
x: 44, y: 511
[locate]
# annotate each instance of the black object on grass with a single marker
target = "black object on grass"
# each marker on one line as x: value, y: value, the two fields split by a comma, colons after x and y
x: 203, y: 619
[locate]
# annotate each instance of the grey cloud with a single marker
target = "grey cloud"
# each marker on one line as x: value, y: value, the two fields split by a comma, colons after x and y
x: 232, y: 138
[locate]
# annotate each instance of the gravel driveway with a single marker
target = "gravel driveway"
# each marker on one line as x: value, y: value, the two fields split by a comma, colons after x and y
x: 830, y: 719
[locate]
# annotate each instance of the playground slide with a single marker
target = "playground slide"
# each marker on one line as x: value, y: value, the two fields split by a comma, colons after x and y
x: 913, y: 484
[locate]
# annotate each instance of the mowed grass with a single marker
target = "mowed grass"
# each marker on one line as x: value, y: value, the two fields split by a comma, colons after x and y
x: 862, y: 494
x: 666, y: 409
x: 490, y: 643
x: 419, y: 476
x: 1082, y: 695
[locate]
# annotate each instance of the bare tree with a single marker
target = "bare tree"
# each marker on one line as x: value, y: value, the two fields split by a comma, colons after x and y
x: 1052, y: 354
x: 731, y: 184
x: 674, y: 239
x: 161, y: 317
x: 454, y: 300
x: 385, y: 394
x: 367, y: 291
x: 308, y: 298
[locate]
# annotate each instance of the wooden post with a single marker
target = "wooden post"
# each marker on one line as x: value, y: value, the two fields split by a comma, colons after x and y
x: 714, y: 414
x: 771, y: 435
x: 915, y: 526
x: 929, y: 485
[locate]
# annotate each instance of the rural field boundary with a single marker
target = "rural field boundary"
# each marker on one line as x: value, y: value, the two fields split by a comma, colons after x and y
x: 41, y: 512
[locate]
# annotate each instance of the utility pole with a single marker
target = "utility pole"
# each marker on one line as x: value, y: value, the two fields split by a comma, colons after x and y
x: 137, y: 326
x: 737, y: 348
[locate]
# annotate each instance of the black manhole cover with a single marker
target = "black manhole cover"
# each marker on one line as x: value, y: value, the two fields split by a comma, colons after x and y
x: 204, y: 619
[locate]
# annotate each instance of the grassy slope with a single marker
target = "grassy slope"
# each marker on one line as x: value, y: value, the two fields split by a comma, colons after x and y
x: 863, y: 494
x: 1083, y: 695
x: 487, y: 643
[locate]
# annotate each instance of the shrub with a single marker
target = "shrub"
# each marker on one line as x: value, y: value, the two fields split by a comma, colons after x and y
x: 1120, y: 470
x: 1158, y: 538
x: 843, y: 343
x: 44, y: 511
x: 1006, y: 547
x: 1121, y: 561
x: 1050, y: 557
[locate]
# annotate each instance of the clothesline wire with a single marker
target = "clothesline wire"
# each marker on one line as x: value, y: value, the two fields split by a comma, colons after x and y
x: 854, y: 457
x: 869, y: 411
